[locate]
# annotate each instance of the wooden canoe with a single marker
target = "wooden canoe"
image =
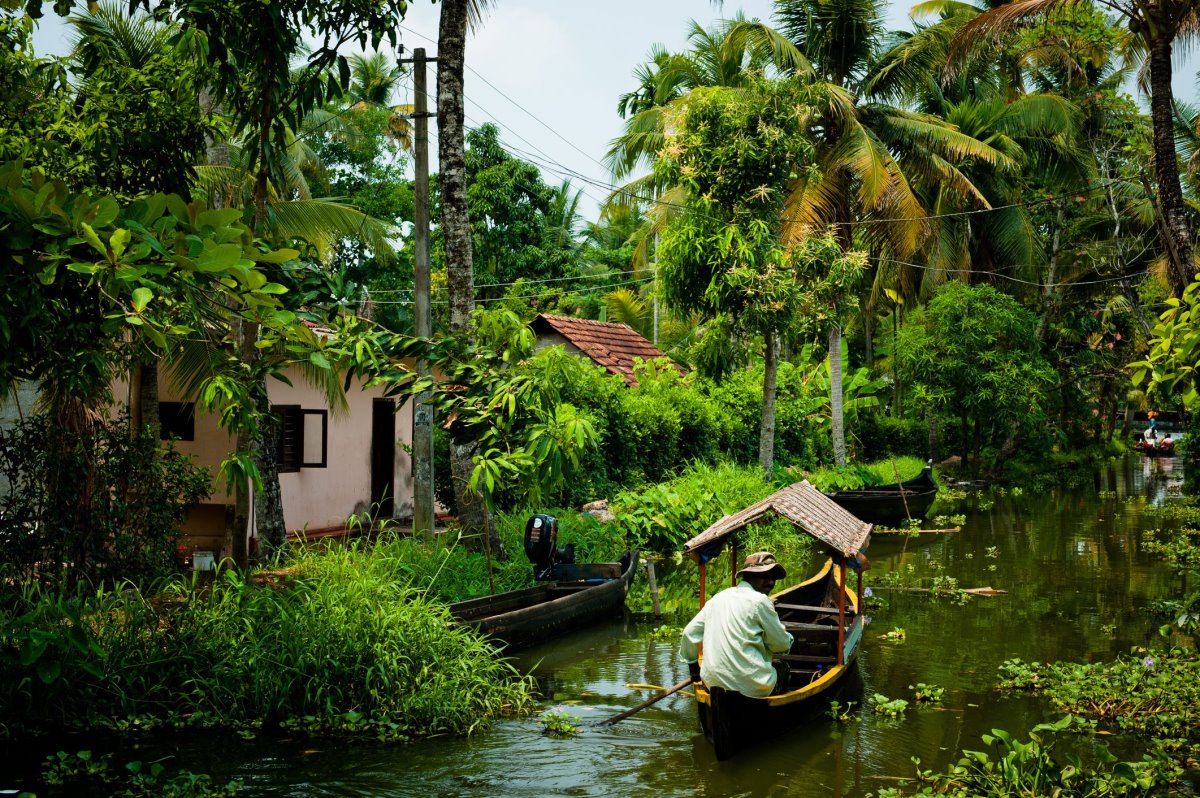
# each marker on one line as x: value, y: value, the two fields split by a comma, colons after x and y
x: 822, y: 614
x: 520, y: 618
x: 809, y: 611
x: 1155, y: 450
x: 890, y: 505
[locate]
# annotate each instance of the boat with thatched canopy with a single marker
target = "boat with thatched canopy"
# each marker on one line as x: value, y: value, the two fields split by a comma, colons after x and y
x: 822, y: 614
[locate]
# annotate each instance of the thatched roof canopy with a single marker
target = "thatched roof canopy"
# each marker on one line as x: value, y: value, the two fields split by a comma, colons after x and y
x: 804, y: 506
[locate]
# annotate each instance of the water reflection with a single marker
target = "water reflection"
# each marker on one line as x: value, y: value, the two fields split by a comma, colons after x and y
x: 1078, y: 589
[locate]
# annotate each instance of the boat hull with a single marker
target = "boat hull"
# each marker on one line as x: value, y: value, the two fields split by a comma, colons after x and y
x: 731, y: 721
x: 520, y: 618
x: 888, y: 505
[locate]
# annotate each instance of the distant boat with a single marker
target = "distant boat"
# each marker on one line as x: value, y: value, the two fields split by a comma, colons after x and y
x: 822, y: 614
x: 1154, y: 449
x: 891, y: 505
x: 570, y: 596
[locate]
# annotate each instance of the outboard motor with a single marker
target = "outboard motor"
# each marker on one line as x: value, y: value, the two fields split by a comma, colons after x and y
x: 541, y: 540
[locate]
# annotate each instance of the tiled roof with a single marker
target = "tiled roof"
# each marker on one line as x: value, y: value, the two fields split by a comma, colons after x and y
x: 806, y: 507
x: 613, y: 346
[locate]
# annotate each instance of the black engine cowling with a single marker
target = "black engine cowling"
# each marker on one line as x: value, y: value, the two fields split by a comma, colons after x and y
x: 541, y: 541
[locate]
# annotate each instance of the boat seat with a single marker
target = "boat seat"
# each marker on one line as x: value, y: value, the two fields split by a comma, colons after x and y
x: 560, y: 589
x: 808, y: 658
x: 807, y: 608
x: 792, y: 626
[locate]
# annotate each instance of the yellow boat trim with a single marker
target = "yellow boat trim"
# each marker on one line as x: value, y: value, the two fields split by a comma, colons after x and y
x: 814, y: 687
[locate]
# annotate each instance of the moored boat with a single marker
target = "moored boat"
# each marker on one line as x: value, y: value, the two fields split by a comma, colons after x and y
x: 822, y: 614
x: 569, y: 595
x: 891, y: 505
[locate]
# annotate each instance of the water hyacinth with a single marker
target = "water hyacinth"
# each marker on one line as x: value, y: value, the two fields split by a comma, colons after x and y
x: 1148, y: 662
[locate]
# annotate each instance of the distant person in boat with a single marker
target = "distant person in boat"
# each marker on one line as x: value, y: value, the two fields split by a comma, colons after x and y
x: 740, y: 631
x: 1166, y: 442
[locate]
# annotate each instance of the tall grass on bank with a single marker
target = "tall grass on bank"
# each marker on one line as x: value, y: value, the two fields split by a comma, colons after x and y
x: 342, y: 641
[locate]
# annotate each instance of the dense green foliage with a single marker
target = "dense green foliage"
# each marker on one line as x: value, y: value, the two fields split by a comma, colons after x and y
x: 344, y: 640
x: 973, y: 353
x: 108, y: 504
x: 1011, y: 767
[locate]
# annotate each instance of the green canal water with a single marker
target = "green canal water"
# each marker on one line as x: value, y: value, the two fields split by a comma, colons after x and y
x: 1078, y: 588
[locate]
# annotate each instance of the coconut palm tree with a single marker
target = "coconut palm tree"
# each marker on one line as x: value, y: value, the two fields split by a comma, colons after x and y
x: 872, y: 157
x: 456, y: 17
x: 373, y: 82
x: 1154, y: 29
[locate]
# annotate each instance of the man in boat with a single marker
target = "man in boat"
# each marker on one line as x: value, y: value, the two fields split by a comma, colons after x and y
x: 740, y: 631
x: 1166, y: 442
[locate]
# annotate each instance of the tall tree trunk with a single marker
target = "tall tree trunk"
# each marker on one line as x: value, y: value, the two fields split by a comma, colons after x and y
x: 766, y: 434
x: 1049, y: 289
x: 1177, y: 239
x: 268, y: 502
x: 456, y: 233
x: 148, y: 396
x: 835, y: 394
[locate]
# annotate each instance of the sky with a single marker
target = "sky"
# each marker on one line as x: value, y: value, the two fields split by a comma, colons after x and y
x: 549, y: 72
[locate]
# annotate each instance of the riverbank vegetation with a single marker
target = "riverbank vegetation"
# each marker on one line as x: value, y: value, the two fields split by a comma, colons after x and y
x: 345, y: 640
x: 963, y: 242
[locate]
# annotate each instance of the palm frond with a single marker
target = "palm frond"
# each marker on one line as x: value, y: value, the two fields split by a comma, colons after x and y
x: 990, y: 26
x: 626, y: 307
x: 324, y: 222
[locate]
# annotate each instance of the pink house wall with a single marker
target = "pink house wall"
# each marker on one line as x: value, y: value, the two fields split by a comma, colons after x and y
x: 313, y: 498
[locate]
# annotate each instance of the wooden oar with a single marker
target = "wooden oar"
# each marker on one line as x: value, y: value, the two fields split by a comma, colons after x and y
x: 620, y: 717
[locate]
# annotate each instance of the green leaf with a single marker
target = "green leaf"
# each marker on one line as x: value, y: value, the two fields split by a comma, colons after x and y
x: 276, y: 256
x: 118, y: 241
x: 219, y: 258
x: 220, y: 217
x: 141, y: 298
x: 319, y: 360
x: 83, y: 268
x: 48, y: 670
x: 90, y: 236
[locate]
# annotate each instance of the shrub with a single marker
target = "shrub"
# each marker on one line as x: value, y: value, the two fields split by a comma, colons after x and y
x: 344, y: 640
x: 882, y: 436
x: 663, y: 517
x: 104, y: 506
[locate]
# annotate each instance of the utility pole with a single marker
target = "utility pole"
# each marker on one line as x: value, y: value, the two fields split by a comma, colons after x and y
x: 422, y: 425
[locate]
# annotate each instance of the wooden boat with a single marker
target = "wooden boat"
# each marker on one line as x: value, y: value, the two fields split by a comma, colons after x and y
x: 891, y: 505
x: 1154, y: 450
x: 823, y: 615
x: 569, y: 596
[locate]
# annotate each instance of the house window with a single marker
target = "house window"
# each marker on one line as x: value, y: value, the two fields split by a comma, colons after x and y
x: 177, y: 421
x: 303, y: 438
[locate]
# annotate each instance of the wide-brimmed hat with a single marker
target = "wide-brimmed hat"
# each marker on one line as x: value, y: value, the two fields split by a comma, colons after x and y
x: 762, y: 562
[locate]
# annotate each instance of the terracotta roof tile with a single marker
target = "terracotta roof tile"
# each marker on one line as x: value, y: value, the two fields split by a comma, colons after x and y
x: 613, y: 346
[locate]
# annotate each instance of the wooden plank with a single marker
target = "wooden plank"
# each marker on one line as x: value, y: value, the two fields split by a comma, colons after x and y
x: 807, y: 658
x: 792, y: 626
x: 807, y: 608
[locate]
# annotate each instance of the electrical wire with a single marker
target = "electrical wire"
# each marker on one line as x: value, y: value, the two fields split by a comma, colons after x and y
x: 522, y: 296
x: 1009, y: 277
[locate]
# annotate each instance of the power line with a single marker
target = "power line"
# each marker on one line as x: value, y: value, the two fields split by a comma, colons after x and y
x: 522, y: 296
x: 523, y: 281
x: 529, y: 113
x: 1008, y: 277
